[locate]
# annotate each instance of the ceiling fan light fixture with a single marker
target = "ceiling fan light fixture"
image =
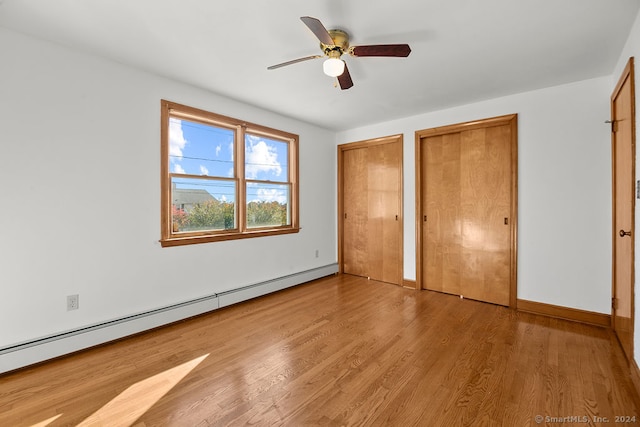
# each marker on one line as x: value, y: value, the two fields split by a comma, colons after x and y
x: 333, y: 67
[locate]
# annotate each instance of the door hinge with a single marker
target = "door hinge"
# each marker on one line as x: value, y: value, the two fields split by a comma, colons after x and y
x: 614, y: 125
x: 614, y: 303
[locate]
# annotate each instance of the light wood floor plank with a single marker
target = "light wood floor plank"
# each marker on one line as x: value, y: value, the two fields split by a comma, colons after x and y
x: 340, y: 351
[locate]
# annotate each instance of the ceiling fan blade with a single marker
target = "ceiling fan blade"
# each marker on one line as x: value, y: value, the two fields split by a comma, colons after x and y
x: 345, y: 79
x: 400, y: 50
x: 295, y: 61
x: 318, y: 29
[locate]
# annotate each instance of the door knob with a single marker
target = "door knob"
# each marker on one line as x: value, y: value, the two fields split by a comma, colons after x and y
x: 624, y: 233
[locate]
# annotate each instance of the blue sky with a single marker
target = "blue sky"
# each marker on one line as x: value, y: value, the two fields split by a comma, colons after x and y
x: 204, y: 150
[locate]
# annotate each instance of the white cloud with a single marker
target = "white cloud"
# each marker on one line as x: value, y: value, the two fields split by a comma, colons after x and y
x: 218, y: 149
x: 178, y: 169
x: 176, y: 137
x: 270, y: 195
x: 203, y: 170
x: 260, y: 157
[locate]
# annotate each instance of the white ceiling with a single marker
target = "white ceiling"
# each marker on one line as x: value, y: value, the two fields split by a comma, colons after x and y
x: 462, y: 50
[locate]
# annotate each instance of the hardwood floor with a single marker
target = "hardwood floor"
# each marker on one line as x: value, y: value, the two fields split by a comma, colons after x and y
x: 337, y: 351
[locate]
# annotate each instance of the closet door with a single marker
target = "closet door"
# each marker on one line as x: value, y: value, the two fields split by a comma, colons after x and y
x: 370, y: 209
x: 468, y: 211
x: 442, y: 237
x: 384, y: 212
x: 355, y: 239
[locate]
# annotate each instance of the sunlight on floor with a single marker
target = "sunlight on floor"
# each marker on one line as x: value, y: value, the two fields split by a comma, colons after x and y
x: 133, y: 402
x: 46, y: 422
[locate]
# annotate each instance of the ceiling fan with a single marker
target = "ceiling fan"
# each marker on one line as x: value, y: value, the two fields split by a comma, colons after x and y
x: 335, y: 43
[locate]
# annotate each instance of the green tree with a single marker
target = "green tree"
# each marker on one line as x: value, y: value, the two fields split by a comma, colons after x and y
x: 220, y: 215
x: 262, y: 214
x: 211, y: 215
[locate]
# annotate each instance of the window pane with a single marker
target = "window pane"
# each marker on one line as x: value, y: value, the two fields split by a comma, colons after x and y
x: 202, y: 204
x: 199, y: 149
x: 267, y: 204
x: 266, y: 159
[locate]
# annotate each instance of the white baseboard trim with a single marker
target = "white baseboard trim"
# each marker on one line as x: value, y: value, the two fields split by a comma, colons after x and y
x: 42, y: 349
x: 238, y: 295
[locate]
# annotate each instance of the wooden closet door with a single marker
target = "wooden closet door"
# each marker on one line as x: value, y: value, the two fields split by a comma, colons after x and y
x: 466, y: 205
x: 355, y: 254
x: 442, y: 257
x: 485, y: 202
x: 371, y: 206
x: 384, y: 212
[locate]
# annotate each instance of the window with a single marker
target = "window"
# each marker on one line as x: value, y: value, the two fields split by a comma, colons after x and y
x: 225, y: 179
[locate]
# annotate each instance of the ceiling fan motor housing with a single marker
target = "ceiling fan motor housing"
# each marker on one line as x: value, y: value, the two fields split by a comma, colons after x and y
x: 340, y: 43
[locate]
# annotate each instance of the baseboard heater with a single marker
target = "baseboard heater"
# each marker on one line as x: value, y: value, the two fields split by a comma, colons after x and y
x: 38, y: 350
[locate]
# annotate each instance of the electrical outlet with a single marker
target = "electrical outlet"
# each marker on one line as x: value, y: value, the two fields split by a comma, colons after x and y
x: 73, y: 302
x: 317, y: 253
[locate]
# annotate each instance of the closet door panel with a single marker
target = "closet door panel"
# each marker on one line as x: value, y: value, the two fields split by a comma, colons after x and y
x: 442, y: 229
x: 356, y: 210
x: 384, y: 211
x: 485, y: 206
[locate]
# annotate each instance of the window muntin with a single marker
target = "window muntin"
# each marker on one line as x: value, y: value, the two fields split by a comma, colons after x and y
x: 225, y: 179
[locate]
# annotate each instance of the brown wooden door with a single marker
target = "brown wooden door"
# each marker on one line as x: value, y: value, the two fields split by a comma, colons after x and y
x: 371, y: 206
x: 468, y: 211
x: 441, y: 214
x: 623, y: 154
x: 356, y: 212
x: 384, y: 212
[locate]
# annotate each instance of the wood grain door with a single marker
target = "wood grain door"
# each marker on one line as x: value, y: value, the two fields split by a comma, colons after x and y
x: 355, y: 236
x: 370, y: 208
x: 385, y: 233
x: 623, y: 155
x: 468, y: 210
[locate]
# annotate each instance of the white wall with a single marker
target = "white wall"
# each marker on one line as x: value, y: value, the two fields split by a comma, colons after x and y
x: 80, y: 189
x: 632, y: 48
x: 564, y: 194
